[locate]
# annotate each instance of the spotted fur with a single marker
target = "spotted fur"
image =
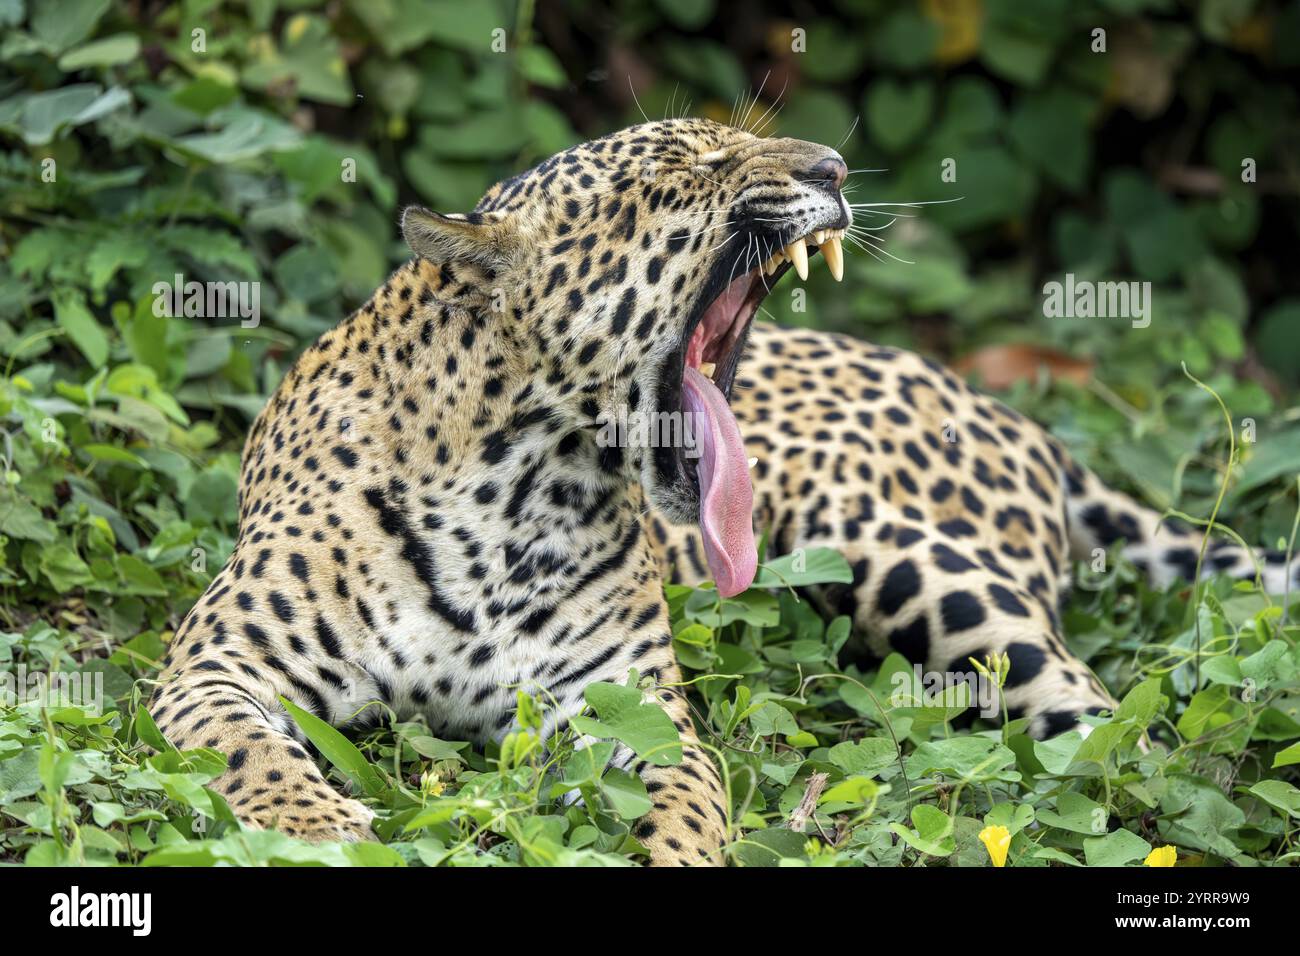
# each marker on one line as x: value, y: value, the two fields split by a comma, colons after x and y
x: 958, y: 515
x: 426, y: 516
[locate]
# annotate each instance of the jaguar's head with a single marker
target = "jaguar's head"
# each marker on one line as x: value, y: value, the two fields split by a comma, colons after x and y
x: 632, y: 266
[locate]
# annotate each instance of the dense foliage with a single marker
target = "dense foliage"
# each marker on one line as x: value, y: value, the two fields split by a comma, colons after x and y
x: 274, y: 142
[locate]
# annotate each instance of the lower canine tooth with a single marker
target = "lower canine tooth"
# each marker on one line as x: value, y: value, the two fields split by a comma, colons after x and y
x: 834, y: 255
x: 798, y: 255
x: 707, y: 369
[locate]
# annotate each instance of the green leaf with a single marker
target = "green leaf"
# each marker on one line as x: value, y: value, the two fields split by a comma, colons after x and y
x: 1015, y: 49
x: 336, y: 748
x: 539, y: 65
x: 239, y: 133
x: 1050, y: 129
x: 690, y: 15
x: 1076, y: 813
x: 1279, y: 795
x: 1201, y: 815
x: 850, y: 792
x: 770, y: 847
x: 706, y: 64
x: 110, y: 51
x: 834, y: 54
x: 626, y: 793
x: 21, y: 519
x: 975, y: 758
x: 867, y: 757
x: 623, y: 715
x: 1209, y: 710
x: 1015, y: 817
x: 147, y: 730
x: 1287, y: 757
x: 897, y: 112
x: 804, y: 567
x: 309, y: 57
x: 934, y: 831
x: 83, y: 329
x: 113, y: 253
x: 64, y: 569
x: 38, y: 117
x: 372, y: 854
x: 60, y: 24
x: 1278, y: 345
x: 1115, y: 849
x: 1142, y: 703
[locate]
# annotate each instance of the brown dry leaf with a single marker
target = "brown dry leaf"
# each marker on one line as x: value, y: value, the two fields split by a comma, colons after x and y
x: 1001, y: 366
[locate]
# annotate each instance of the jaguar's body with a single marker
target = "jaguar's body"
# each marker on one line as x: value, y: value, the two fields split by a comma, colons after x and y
x: 429, y: 519
x: 960, y: 517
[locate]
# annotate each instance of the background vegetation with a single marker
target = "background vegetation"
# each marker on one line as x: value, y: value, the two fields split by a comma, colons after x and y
x: 133, y: 148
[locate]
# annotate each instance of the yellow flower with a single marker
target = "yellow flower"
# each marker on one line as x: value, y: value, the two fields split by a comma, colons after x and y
x: 997, y: 840
x: 1161, y: 856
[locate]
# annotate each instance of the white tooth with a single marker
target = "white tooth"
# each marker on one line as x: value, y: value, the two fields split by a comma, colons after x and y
x: 799, y: 256
x: 834, y: 256
x: 753, y: 462
x: 819, y: 237
x: 707, y: 369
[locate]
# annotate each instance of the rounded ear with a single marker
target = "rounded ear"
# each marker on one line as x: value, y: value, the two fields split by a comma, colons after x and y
x: 487, y: 238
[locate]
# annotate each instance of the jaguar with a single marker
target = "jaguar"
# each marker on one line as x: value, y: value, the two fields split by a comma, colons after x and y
x: 432, y: 516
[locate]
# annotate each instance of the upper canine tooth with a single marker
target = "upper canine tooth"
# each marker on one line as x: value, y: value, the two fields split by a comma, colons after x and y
x: 834, y: 255
x: 799, y: 256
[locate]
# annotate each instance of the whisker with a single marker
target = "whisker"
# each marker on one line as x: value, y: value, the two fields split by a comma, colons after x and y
x: 702, y: 232
x: 855, y: 226
x: 853, y: 241
x: 634, y: 98
x: 671, y: 100
x: 882, y: 215
x: 909, y: 205
x: 749, y: 109
x: 860, y: 241
x: 723, y: 243
x: 760, y: 124
x: 856, y: 117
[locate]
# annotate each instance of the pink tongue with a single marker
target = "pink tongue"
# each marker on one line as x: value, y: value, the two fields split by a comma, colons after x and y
x: 726, y: 496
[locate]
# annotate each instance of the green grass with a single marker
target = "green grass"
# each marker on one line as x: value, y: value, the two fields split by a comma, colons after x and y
x: 900, y: 787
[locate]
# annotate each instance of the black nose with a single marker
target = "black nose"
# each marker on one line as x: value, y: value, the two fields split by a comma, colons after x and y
x: 832, y: 171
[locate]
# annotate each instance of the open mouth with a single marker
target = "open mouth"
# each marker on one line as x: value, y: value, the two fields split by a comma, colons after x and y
x: 697, y: 382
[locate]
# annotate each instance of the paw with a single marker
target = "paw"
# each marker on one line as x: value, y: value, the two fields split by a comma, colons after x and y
x: 348, y: 823
x: 335, y: 821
